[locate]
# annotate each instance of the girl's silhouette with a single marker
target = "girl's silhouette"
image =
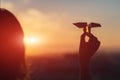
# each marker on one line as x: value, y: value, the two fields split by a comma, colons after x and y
x: 12, y: 51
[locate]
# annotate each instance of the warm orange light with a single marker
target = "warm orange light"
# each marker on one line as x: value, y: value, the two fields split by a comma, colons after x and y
x: 32, y: 40
x: 34, y: 45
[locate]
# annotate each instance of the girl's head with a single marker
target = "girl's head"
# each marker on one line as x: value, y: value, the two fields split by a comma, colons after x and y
x: 11, y: 33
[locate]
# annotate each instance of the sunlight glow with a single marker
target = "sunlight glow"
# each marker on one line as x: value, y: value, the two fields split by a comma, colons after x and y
x: 31, y: 40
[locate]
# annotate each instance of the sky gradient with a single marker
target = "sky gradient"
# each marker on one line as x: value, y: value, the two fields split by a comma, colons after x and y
x: 50, y: 22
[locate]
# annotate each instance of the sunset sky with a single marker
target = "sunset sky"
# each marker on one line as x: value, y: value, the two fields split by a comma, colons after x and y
x: 48, y: 28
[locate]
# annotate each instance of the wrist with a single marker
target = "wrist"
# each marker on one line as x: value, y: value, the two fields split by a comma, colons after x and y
x: 85, y: 70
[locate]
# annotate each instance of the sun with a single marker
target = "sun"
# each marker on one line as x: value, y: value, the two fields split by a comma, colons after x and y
x: 34, y: 44
x: 31, y: 40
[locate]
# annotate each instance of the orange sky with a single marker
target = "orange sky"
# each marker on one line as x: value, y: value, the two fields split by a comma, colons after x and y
x: 48, y: 25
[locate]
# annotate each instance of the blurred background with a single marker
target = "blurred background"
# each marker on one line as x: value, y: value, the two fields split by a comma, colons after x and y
x: 52, y: 41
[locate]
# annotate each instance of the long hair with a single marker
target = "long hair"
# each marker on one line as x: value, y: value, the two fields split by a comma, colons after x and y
x: 12, y: 51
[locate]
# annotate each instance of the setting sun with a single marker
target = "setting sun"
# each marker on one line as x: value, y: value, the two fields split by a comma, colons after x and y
x: 34, y: 44
x: 59, y: 39
x: 31, y: 40
x: 51, y: 29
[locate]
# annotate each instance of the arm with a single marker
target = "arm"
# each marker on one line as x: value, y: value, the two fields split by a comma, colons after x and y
x: 86, y: 51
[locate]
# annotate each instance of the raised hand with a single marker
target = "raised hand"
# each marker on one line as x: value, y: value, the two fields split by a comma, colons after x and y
x: 86, y: 51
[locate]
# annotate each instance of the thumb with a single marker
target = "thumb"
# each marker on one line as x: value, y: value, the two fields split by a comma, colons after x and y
x: 83, y: 37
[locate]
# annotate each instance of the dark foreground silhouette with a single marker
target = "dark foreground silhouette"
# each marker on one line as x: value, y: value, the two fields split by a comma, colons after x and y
x: 86, y: 51
x: 104, y: 66
x: 12, y: 53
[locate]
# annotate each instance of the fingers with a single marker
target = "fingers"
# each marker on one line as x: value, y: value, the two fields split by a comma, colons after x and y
x: 83, y: 38
x: 92, y: 38
x: 83, y: 35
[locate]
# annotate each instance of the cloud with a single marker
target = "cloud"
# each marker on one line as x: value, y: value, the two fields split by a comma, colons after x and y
x: 38, y: 22
x: 49, y: 26
x: 8, y: 5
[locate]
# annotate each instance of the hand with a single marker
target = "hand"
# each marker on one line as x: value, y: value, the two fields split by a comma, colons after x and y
x: 88, y: 49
